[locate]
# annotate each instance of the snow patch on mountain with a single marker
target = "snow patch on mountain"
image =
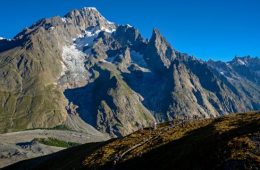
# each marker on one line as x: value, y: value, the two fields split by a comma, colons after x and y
x: 110, y: 23
x: 137, y: 60
x: 64, y: 19
x: 73, y: 60
x: 2, y: 38
x: 105, y: 61
x: 90, y: 8
x: 52, y: 28
x: 142, y: 69
x: 241, y: 62
x: 75, y: 55
x: 129, y: 26
x: 73, y: 72
x: 87, y: 39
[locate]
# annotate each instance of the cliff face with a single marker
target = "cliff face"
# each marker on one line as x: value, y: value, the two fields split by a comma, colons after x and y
x: 111, y: 78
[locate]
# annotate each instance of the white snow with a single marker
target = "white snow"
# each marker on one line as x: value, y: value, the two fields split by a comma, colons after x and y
x: 73, y: 59
x: 108, y: 30
x: 104, y: 61
x: 228, y: 65
x: 110, y: 23
x: 90, y: 8
x: 64, y: 20
x: 222, y: 72
x: 75, y: 55
x: 87, y: 39
x: 129, y: 25
x: 73, y: 64
x: 51, y: 28
x: 241, y: 62
x: 2, y: 38
x: 142, y: 68
x: 137, y: 59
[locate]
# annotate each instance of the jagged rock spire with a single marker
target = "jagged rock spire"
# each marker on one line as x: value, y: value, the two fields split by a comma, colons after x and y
x: 159, y: 53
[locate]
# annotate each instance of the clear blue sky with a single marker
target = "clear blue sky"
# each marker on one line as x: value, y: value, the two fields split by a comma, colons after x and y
x: 217, y: 29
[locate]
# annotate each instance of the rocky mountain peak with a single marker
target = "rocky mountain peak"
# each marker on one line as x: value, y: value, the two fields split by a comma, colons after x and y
x: 239, y: 60
x: 127, y: 34
x: 70, y: 26
x: 88, y: 17
x: 156, y: 33
x: 86, y: 11
x: 159, y: 53
x: 245, y: 61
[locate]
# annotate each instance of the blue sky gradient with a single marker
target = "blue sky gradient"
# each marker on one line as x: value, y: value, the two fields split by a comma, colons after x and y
x: 216, y: 29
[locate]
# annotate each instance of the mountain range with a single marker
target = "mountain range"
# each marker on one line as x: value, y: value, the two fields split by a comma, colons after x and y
x: 86, y: 73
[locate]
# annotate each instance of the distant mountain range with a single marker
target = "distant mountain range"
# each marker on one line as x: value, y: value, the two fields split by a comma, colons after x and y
x: 82, y: 71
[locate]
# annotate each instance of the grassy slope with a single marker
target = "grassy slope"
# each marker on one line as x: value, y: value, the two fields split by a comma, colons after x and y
x: 28, y: 96
x: 230, y: 142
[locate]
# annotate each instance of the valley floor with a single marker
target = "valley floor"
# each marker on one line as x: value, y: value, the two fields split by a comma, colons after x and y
x: 23, y: 145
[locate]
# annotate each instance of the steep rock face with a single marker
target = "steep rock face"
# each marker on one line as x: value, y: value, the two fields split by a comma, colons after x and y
x: 159, y: 54
x: 81, y: 68
x: 128, y: 35
x: 123, y: 59
x: 187, y: 86
x: 110, y: 105
x: 247, y: 67
x: 88, y: 17
x: 243, y: 67
x: 242, y: 76
x: 197, y: 90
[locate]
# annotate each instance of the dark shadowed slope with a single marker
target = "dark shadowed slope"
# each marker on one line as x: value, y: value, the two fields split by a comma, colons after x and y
x: 230, y: 142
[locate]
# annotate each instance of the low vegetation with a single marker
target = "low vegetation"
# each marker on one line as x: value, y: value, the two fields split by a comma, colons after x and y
x: 56, y: 142
x: 62, y: 127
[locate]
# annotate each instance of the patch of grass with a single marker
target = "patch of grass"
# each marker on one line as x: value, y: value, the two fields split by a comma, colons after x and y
x: 62, y: 127
x: 56, y: 142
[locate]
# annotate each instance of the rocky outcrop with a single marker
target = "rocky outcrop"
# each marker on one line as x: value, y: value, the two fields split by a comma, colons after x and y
x: 159, y: 54
x: 110, y: 105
